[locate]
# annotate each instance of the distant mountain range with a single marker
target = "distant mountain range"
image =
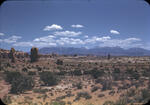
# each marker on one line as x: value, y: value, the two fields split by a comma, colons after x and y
x: 116, y: 51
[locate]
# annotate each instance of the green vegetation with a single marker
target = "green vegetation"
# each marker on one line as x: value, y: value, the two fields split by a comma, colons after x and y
x: 7, y: 100
x: 42, y: 91
x: 32, y: 73
x: 77, y: 72
x: 59, y: 62
x: 78, y: 85
x: 85, y: 95
x: 58, y: 103
x: 48, y: 78
x: 95, y: 88
x: 19, y: 82
x: 107, y: 85
x: 97, y: 73
x: 108, y: 103
x: 24, y: 69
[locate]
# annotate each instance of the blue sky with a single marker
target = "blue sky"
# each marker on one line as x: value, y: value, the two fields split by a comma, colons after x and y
x: 75, y: 23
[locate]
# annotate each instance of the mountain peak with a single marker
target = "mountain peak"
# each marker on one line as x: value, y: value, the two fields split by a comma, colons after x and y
x: 116, y: 51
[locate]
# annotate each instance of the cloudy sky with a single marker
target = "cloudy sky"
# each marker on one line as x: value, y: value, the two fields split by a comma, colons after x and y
x: 75, y: 23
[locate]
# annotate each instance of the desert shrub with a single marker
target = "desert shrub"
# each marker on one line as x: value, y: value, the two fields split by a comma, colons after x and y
x: 69, y: 94
x: 108, y: 103
x: 64, y: 96
x: 78, y: 85
x: 131, y: 92
x: 133, y: 74
x: 146, y: 72
x: 43, y: 91
x: 107, y: 85
x: 31, y: 73
x: 96, y: 63
x: 61, y: 72
x: 59, y: 67
x: 58, y: 103
x: 96, y: 73
x: 85, y: 95
x: 27, y: 100
x: 59, y: 62
x: 116, y: 74
x: 6, y: 100
x: 142, y: 96
x: 21, y: 85
x: 136, y: 75
x: 89, y: 104
x: 34, y: 54
x: 10, y: 76
x: 145, y: 94
x: 126, y: 85
x: 77, y: 72
x: 149, y: 84
x: 19, y: 82
x: 122, y: 101
x: 39, y: 68
x: 95, y: 88
x: 48, y: 78
x: 60, y: 98
x: 1, y: 68
x: 99, y: 80
x: 69, y: 103
x: 8, y: 65
x: 101, y: 95
x: 116, y: 70
x: 112, y: 92
x: 24, y: 69
x: 79, y: 65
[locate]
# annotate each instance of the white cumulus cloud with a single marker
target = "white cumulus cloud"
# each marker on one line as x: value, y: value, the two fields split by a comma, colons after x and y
x: 77, y: 26
x: 95, y: 39
x: 86, y: 36
x: 48, y: 38
x: 123, y: 43
x: 23, y: 44
x: 35, y: 44
x: 114, y: 32
x: 53, y: 27
x: 11, y: 39
x: 72, y: 41
x: 67, y: 33
x: 2, y: 34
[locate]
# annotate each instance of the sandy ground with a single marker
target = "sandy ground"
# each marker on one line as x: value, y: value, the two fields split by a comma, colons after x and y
x: 4, y: 87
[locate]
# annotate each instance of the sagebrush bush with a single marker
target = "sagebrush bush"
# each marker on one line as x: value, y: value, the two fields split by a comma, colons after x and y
x: 79, y: 85
x: 96, y: 73
x: 59, y: 62
x: 19, y: 82
x: 95, y: 88
x: 107, y: 85
x: 31, y: 73
x: 77, y: 72
x: 48, y: 78
x: 85, y: 95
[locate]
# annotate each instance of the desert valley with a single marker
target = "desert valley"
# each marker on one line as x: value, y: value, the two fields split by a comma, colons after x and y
x: 53, y: 79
